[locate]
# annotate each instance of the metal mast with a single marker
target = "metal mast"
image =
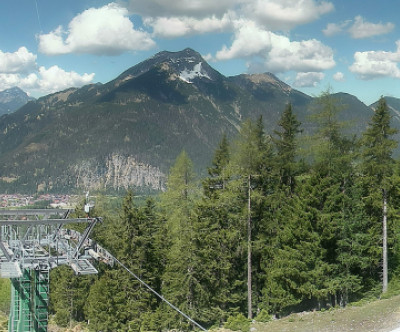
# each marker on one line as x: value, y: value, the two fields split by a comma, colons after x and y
x: 31, y: 243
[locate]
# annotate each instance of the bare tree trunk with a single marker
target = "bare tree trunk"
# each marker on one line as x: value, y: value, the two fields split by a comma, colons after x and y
x: 249, y: 290
x: 384, y: 244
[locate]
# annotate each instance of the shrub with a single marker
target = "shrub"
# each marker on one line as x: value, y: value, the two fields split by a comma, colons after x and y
x: 238, y: 323
x: 263, y: 316
x: 62, y: 317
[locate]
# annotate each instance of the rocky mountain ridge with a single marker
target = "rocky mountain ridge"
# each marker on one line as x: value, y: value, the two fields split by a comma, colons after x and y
x: 128, y: 132
x: 12, y: 99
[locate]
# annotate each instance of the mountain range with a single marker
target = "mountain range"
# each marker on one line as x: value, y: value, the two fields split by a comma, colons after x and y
x: 128, y: 132
x: 12, y: 99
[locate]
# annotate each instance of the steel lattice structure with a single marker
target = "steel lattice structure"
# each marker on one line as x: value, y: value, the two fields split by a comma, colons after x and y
x: 32, y: 242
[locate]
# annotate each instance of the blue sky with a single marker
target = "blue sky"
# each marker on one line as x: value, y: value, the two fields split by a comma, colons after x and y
x: 348, y: 46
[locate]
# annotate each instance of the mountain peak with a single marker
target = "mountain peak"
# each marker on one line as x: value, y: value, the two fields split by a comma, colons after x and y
x: 264, y: 78
x: 13, y: 98
x: 261, y: 80
x: 188, y: 65
x: 186, y: 53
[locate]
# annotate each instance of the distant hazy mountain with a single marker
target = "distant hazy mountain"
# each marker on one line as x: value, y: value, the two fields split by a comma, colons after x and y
x: 12, y: 99
x: 129, y: 131
x: 394, y: 107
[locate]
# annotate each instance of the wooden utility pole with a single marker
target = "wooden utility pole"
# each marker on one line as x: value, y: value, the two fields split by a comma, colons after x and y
x: 249, y: 290
x: 384, y: 244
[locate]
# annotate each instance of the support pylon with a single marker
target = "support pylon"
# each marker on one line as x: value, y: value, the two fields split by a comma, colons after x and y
x: 41, y: 300
x: 30, y: 247
x: 21, y: 315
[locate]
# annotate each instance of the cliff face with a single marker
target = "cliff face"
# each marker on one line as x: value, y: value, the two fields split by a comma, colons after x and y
x: 117, y: 172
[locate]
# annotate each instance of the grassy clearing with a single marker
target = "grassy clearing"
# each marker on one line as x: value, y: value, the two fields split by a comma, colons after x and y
x: 76, y: 328
x: 380, y: 316
x: 3, y: 322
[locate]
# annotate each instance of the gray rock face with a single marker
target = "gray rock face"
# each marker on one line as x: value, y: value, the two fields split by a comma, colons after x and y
x: 117, y: 172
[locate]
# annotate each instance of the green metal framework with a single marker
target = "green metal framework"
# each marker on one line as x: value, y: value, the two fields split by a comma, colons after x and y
x: 29, y: 302
x: 21, y: 305
x: 29, y: 248
x: 41, y: 300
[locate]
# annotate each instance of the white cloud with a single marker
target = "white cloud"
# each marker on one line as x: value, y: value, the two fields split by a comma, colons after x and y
x: 303, y: 56
x: 272, y: 13
x: 339, y: 76
x: 102, y: 31
x: 193, y: 8
x: 333, y: 29
x: 208, y: 57
x: 20, y: 61
x: 171, y: 19
x: 45, y: 81
x: 310, y: 79
x: 374, y: 64
x: 286, y: 14
x: 280, y: 54
x: 363, y: 29
x: 8, y: 81
x: 55, y: 79
x: 249, y: 40
x: 173, y: 27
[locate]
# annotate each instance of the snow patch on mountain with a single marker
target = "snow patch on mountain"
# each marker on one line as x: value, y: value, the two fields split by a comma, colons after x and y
x: 188, y: 76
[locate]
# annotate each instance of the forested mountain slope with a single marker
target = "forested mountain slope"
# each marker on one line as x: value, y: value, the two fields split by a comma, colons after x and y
x: 127, y: 132
x: 297, y: 232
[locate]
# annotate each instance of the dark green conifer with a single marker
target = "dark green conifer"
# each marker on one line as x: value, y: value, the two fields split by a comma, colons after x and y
x: 180, y: 277
x: 216, y: 179
x: 287, y: 148
x: 377, y: 168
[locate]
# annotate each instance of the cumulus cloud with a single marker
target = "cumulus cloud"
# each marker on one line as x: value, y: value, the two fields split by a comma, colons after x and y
x: 44, y: 80
x: 286, y: 14
x: 208, y: 57
x: 180, y: 18
x: 278, y: 52
x: 333, y: 29
x: 277, y: 13
x: 249, y: 40
x: 102, y: 31
x: 310, y: 79
x: 374, y: 64
x: 363, y: 29
x: 172, y: 27
x: 339, y: 76
x: 20, y: 61
x: 192, y: 8
x: 359, y: 29
x: 55, y: 79
x: 303, y: 56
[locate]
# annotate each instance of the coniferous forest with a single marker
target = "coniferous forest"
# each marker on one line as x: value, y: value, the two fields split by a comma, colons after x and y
x: 283, y: 222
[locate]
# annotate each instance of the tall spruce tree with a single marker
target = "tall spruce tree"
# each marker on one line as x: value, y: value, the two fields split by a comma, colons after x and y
x: 286, y: 235
x: 377, y: 166
x: 68, y: 294
x: 331, y: 179
x: 220, y: 245
x: 180, y: 277
x: 293, y: 266
x: 287, y: 148
x: 136, y: 231
x: 250, y: 179
x: 217, y: 177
